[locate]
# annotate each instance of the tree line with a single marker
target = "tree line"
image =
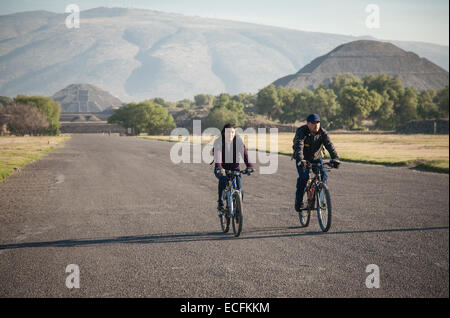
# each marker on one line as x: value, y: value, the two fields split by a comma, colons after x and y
x: 152, y: 117
x: 348, y: 100
x: 30, y: 115
x: 345, y: 102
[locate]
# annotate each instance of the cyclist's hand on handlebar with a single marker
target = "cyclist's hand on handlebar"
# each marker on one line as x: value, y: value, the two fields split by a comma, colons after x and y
x: 302, y: 163
x: 221, y: 172
x: 335, y: 163
x: 249, y: 171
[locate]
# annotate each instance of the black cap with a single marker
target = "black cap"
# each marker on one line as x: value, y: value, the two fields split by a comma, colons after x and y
x: 312, y: 118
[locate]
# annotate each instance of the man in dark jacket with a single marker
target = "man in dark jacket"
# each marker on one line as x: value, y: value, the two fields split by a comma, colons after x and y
x: 308, y: 147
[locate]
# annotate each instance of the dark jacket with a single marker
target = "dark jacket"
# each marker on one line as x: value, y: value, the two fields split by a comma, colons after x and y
x: 308, y: 146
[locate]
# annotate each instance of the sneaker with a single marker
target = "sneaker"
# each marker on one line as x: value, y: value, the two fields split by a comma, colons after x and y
x: 298, y: 206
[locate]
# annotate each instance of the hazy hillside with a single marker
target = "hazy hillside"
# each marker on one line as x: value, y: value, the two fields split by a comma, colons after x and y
x: 138, y: 54
x: 366, y: 57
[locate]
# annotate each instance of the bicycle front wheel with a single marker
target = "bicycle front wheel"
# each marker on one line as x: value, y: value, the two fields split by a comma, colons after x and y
x: 305, y: 214
x: 237, y: 218
x: 323, y: 207
x: 224, y: 222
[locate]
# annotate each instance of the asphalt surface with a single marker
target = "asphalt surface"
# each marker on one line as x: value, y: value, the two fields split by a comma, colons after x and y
x: 138, y: 225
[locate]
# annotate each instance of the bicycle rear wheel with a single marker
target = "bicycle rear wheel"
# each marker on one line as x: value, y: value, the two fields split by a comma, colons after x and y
x: 237, y: 218
x: 305, y: 214
x: 323, y: 207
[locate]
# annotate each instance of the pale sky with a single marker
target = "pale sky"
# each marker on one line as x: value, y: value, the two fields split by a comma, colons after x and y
x: 413, y: 20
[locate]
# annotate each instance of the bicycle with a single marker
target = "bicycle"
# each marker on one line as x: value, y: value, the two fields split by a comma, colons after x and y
x: 317, y: 197
x: 233, y: 210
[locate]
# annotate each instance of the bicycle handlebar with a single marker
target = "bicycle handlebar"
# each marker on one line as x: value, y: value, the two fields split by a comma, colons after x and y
x: 310, y: 165
x: 236, y: 173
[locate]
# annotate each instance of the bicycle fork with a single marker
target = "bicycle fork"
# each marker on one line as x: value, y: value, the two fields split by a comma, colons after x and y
x: 311, y: 191
x: 230, y: 204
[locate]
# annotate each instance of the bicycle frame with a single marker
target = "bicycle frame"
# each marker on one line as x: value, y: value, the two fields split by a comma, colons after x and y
x: 318, y: 197
x: 314, y: 181
x: 231, y: 189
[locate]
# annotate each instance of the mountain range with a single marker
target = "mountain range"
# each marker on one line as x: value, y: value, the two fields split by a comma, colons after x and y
x: 140, y: 54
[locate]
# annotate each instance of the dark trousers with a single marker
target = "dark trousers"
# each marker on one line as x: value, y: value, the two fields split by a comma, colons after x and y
x: 223, y: 183
x: 303, y: 176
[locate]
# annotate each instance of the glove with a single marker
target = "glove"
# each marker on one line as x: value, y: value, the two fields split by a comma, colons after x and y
x: 335, y: 163
x: 249, y: 171
x: 302, y: 164
x: 220, y: 172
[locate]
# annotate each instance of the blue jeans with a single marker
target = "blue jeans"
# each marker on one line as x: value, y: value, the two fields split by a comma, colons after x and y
x: 303, y: 176
x: 223, y: 183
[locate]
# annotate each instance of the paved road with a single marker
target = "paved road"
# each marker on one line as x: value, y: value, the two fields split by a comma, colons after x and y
x: 139, y: 226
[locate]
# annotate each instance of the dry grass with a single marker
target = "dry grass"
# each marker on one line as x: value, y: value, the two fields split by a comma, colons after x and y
x: 429, y: 152
x: 386, y: 149
x: 16, y: 152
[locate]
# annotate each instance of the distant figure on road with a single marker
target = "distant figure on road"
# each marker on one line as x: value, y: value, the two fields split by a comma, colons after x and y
x: 228, y: 149
x: 308, y: 147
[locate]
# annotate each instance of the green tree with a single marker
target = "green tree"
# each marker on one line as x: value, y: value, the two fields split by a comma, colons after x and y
x: 407, y: 108
x: 398, y: 105
x: 426, y: 108
x: 221, y: 99
x: 357, y: 103
x: 159, y: 101
x: 267, y: 100
x: 143, y: 117
x: 393, y: 86
x: 343, y: 80
x: 47, y: 106
x: 219, y: 116
x: 324, y: 103
x: 123, y: 116
x: 286, y: 97
x: 159, y: 121
x: 203, y: 100
x: 225, y: 111
x: 385, y: 83
x: 185, y: 103
x: 249, y: 100
x: 384, y: 115
x: 300, y: 107
x: 442, y: 102
x: 5, y: 101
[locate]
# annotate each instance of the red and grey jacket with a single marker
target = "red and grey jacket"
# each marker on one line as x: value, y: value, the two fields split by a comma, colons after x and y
x: 227, y: 159
x: 308, y: 146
